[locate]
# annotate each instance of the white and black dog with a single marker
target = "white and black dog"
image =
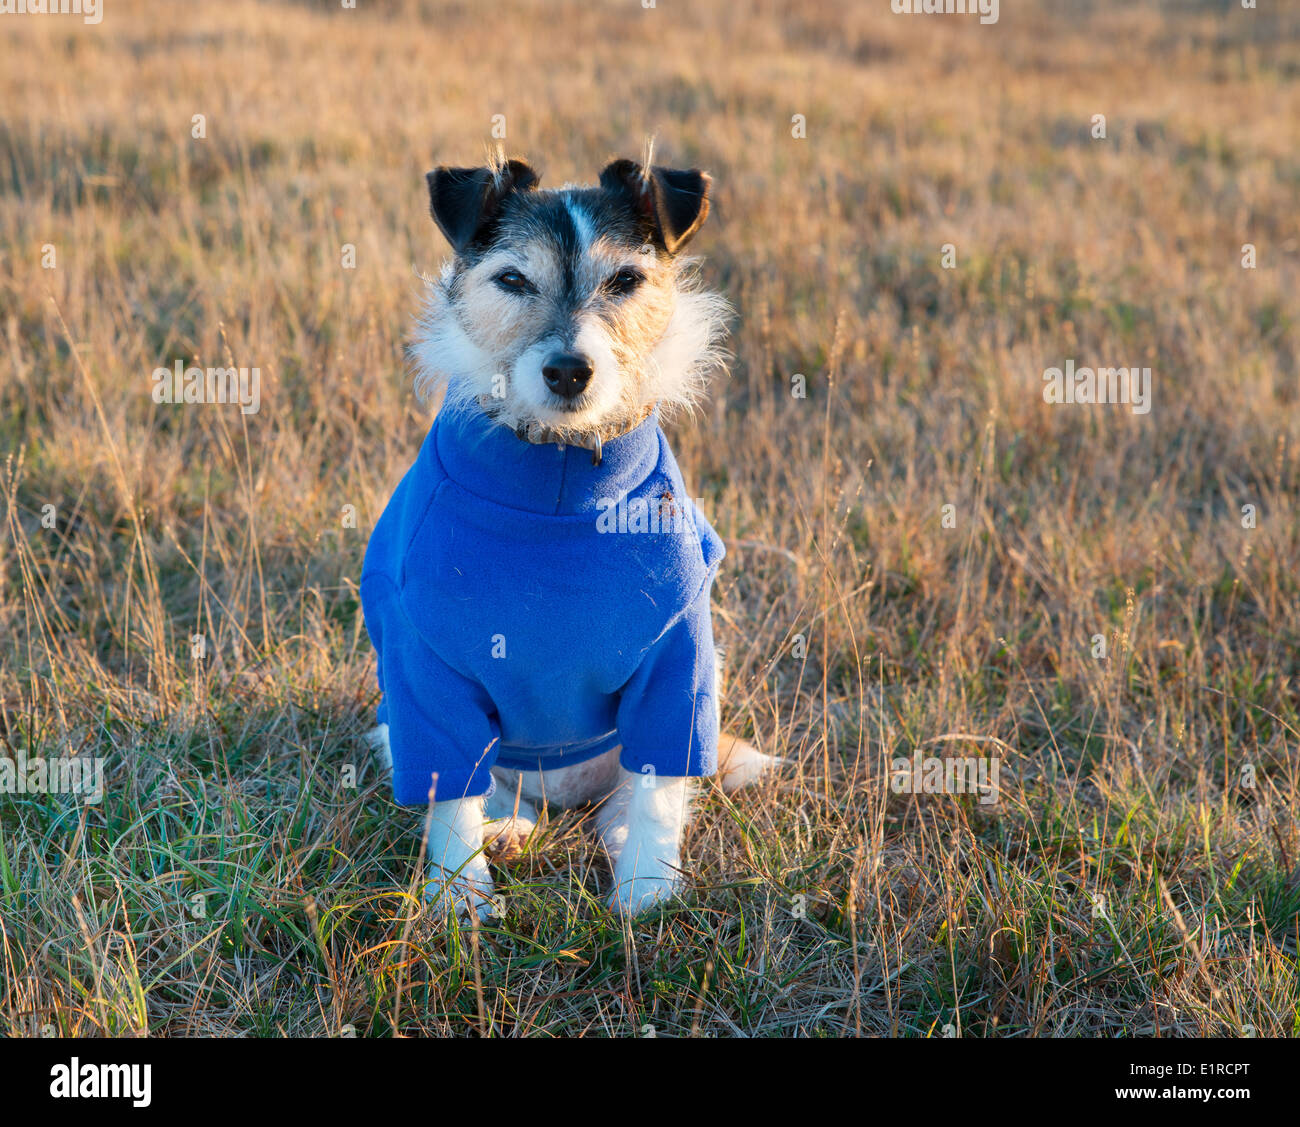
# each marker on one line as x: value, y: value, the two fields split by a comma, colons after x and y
x: 537, y: 589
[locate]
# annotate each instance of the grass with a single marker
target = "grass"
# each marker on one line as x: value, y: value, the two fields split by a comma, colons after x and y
x: 246, y: 872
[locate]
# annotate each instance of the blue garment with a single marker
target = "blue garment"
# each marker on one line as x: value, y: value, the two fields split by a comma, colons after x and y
x: 533, y: 610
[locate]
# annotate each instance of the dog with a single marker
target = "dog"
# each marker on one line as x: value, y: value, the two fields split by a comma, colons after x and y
x: 537, y: 589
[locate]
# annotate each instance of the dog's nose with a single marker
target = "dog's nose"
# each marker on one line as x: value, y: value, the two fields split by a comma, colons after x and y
x: 567, y: 375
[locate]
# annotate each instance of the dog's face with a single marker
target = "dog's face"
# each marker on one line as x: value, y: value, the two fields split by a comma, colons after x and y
x: 569, y: 312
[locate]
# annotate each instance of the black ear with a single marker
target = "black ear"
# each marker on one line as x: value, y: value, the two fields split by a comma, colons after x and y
x: 675, y: 201
x: 463, y: 201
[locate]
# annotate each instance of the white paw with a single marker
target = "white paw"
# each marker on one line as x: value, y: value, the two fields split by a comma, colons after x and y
x: 468, y: 891
x: 458, y: 876
x: 641, y: 827
x: 639, y: 886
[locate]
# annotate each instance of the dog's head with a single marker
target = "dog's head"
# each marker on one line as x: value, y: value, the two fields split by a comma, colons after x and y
x: 569, y: 313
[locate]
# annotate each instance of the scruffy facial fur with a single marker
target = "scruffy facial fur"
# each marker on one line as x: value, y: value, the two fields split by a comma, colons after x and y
x: 602, y: 278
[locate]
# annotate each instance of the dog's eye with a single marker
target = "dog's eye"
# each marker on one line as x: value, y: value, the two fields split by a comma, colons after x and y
x: 625, y: 281
x: 514, y: 281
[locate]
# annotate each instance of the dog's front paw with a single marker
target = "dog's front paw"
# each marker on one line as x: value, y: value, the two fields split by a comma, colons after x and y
x: 641, y: 827
x: 458, y: 877
x: 468, y: 891
x: 642, y: 881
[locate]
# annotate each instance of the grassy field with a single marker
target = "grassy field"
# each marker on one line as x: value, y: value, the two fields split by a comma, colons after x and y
x: 1139, y: 874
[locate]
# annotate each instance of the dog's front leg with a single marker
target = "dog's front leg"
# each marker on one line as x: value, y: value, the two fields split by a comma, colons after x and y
x: 458, y: 870
x: 641, y: 825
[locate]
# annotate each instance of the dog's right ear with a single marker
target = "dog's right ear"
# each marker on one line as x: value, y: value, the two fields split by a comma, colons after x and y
x: 463, y: 201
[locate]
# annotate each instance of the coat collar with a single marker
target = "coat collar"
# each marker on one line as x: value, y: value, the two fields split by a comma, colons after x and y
x: 492, y: 462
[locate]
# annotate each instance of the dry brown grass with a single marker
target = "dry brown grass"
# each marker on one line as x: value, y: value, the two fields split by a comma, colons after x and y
x: 821, y: 903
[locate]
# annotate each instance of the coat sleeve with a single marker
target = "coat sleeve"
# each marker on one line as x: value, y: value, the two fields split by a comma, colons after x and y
x: 668, y: 710
x: 440, y: 724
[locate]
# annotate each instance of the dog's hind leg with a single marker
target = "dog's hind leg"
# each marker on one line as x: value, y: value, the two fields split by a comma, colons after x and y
x: 510, y: 821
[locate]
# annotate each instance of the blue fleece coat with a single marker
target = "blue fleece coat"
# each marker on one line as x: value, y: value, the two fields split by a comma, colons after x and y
x: 531, y: 609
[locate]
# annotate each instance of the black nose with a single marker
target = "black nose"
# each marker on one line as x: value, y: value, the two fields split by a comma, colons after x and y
x: 567, y: 375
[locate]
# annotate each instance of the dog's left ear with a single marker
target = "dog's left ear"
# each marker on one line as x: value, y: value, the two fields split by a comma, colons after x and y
x: 675, y: 201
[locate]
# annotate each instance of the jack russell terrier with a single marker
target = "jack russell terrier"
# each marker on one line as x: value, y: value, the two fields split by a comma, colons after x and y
x: 537, y: 589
